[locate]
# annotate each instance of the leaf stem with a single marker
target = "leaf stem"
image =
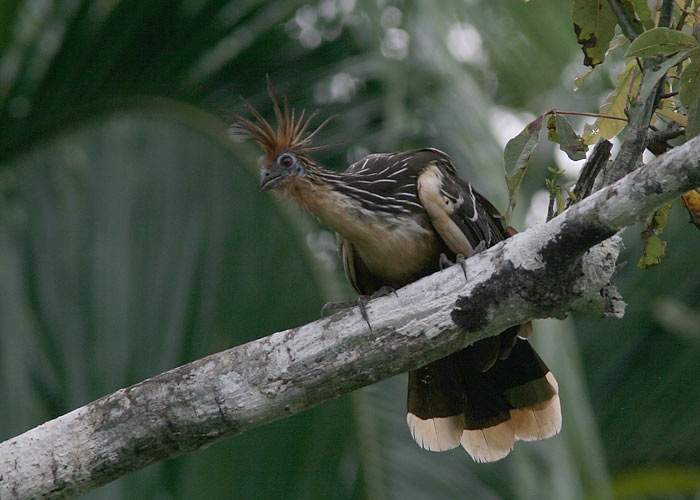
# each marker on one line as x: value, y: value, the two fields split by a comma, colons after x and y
x: 582, y: 113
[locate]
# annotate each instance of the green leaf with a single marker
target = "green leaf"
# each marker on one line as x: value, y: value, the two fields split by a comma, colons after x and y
x: 643, y: 13
x: 661, y: 41
x: 690, y: 82
x: 629, y: 10
x: 561, y: 201
x: 561, y: 131
x: 517, y: 156
x: 552, y: 134
x: 651, y: 78
x: 693, y: 127
x: 594, y: 24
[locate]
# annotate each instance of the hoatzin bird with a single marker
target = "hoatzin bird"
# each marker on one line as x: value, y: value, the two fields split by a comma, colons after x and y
x: 396, y: 216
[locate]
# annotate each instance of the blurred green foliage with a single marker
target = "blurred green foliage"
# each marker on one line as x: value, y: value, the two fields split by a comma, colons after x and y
x: 133, y: 238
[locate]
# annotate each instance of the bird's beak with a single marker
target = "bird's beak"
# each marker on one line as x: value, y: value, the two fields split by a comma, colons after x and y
x: 270, y: 178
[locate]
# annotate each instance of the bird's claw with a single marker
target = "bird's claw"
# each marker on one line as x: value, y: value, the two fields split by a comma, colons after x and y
x: 361, y: 302
x: 445, y: 262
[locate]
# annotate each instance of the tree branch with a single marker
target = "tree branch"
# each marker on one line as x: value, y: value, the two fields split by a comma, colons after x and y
x: 595, y: 164
x: 545, y: 271
x: 626, y: 25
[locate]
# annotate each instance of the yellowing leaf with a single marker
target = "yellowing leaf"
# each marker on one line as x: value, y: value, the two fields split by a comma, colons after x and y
x: 581, y: 79
x: 653, y: 247
x: 691, y: 200
x: 614, y: 105
x: 659, y: 219
x: 653, y: 252
x: 673, y: 115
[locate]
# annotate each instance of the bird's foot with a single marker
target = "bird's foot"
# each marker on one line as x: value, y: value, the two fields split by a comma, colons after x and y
x: 480, y: 247
x: 445, y: 262
x: 360, y: 302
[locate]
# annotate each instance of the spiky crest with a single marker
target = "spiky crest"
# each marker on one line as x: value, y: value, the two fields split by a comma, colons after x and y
x: 291, y: 134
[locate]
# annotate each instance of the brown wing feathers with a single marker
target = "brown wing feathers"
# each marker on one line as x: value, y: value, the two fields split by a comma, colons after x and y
x: 505, y: 392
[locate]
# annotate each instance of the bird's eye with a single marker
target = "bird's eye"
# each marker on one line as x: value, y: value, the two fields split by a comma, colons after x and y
x: 286, y: 160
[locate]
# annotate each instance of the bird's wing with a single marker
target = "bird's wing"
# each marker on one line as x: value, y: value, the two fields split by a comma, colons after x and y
x: 461, y: 216
x: 356, y: 272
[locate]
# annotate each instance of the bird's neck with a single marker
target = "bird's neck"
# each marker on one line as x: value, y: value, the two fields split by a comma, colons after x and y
x: 322, y: 200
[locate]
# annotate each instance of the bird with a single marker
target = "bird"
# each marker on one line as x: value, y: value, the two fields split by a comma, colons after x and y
x: 398, y: 217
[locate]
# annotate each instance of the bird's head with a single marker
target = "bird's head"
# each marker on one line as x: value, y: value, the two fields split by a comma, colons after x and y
x: 286, y: 148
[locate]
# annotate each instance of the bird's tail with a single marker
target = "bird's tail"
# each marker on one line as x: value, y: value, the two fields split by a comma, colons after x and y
x: 458, y: 400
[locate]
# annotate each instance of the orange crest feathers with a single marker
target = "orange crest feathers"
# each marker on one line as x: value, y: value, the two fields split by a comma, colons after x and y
x: 291, y: 134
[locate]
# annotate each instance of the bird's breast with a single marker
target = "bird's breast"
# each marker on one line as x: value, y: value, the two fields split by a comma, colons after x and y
x: 396, y: 248
x: 398, y: 252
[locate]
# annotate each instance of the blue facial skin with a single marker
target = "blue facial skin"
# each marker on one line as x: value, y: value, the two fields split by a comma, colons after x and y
x: 285, y: 165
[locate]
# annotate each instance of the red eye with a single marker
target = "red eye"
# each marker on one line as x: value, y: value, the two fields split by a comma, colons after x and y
x: 286, y: 160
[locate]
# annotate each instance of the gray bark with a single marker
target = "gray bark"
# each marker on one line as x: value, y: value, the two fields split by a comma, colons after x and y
x: 547, y: 271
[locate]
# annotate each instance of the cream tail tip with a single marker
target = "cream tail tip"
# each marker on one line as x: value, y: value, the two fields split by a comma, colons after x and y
x: 489, y: 444
x: 436, y: 434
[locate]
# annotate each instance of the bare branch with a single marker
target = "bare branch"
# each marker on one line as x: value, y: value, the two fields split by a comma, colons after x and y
x: 595, y: 164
